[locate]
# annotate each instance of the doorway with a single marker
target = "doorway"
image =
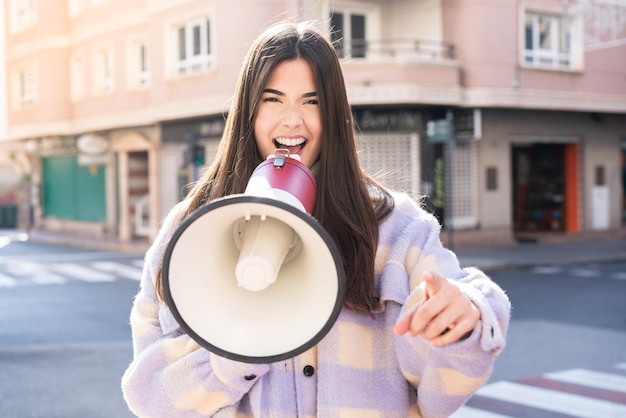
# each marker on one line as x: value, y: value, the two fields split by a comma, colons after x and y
x: 545, y: 187
x: 138, y: 193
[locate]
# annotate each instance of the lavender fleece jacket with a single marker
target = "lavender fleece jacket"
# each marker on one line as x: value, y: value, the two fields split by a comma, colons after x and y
x: 360, y: 368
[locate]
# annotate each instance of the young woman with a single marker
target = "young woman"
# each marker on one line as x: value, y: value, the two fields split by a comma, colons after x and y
x: 417, y: 335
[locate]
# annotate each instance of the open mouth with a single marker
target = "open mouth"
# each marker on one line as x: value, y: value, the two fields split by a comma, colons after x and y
x: 294, y: 145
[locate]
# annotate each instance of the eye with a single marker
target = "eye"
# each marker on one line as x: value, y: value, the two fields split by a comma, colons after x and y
x: 271, y: 100
x: 313, y: 102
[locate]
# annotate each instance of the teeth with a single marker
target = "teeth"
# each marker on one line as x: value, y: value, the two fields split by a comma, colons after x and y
x: 290, y: 142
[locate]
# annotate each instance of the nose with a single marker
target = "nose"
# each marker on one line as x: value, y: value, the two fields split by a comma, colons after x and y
x: 292, y: 116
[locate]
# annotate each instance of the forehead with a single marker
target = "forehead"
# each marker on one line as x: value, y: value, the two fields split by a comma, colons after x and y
x: 292, y: 72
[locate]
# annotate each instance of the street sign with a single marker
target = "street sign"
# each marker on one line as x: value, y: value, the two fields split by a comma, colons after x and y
x: 438, y: 131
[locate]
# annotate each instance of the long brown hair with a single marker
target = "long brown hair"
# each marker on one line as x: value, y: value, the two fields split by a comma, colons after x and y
x: 349, y: 204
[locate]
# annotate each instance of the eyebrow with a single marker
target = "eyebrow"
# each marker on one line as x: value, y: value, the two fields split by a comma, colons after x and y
x: 280, y: 93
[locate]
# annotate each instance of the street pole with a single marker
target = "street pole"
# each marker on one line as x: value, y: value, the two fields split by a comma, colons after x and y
x: 448, y: 210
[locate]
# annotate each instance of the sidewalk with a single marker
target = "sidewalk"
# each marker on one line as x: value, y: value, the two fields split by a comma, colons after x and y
x: 531, y: 254
x: 594, y: 249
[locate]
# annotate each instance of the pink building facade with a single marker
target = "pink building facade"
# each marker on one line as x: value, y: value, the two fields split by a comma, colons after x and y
x: 110, y: 101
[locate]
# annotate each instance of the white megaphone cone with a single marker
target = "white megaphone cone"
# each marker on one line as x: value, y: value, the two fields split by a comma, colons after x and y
x: 254, y: 277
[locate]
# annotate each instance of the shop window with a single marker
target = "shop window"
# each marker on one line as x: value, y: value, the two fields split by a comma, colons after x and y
x: 539, y: 187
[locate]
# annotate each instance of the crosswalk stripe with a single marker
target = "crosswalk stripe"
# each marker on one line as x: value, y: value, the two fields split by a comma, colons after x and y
x: 34, y: 272
x: 619, y: 275
x: 547, y: 269
x: 7, y: 281
x: 585, y: 272
x: 575, y: 389
x: 591, y: 378
x: 118, y: 269
x: 82, y: 273
x: 62, y: 272
x: 551, y: 400
x: 47, y: 277
x: 469, y: 412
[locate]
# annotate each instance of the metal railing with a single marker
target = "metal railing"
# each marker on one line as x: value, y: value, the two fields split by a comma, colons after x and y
x: 399, y: 49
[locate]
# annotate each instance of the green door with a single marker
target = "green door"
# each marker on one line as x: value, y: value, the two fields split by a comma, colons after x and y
x: 72, y: 191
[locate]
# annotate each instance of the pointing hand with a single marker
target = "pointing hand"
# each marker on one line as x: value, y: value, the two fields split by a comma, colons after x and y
x: 445, y: 315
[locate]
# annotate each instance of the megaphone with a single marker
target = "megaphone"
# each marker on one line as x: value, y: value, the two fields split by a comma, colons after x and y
x: 253, y: 277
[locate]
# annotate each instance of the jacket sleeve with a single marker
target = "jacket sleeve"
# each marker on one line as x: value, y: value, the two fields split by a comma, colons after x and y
x: 170, y: 374
x: 446, y: 377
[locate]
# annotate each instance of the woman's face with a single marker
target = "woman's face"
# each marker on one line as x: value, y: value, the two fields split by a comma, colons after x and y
x: 289, y: 113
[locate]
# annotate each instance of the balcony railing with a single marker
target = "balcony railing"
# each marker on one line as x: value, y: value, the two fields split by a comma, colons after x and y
x: 409, y: 50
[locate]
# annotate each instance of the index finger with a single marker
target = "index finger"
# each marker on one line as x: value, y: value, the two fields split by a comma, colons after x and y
x: 434, y: 282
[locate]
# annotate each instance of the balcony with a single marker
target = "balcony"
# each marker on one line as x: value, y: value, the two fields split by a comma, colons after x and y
x: 389, y: 71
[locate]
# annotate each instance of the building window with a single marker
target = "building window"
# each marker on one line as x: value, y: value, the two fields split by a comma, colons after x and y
x: 352, y: 26
x: 551, y: 41
x: 103, y: 70
x: 348, y: 34
x: 193, y: 47
x: 23, y: 14
x: 26, y: 86
x: 140, y: 73
x: 77, y: 72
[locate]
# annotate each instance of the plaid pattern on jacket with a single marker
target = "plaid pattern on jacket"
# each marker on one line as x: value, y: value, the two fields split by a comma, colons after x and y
x: 359, y: 369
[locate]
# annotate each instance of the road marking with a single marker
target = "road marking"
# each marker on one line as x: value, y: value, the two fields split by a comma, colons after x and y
x: 23, y: 268
x: 591, y: 378
x: 67, y: 257
x: 47, y: 277
x: 619, y: 275
x: 547, y: 269
x: 7, y: 281
x: 584, y: 272
x: 469, y: 412
x: 552, y: 400
x: 118, y: 269
x: 81, y: 273
x: 34, y: 273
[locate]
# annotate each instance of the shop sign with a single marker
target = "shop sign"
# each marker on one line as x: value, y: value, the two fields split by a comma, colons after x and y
x: 439, y: 130
x: 92, y: 144
x: 468, y: 124
x: 87, y: 159
x: 212, y: 128
x: 58, y: 145
x: 387, y: 120
x: 92, y: 149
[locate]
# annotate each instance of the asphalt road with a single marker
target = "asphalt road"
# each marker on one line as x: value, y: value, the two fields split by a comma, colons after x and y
x: 65, y: 337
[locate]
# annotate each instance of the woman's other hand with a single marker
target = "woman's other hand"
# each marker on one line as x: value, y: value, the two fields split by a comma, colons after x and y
x: 444, y: 316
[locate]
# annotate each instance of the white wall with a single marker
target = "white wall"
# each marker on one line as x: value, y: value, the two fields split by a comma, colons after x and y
x: 3, y: 87
x: 410, y: 19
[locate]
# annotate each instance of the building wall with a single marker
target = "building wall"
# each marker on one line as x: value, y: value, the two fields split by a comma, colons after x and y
x: 517, y: 103
x: 3, y: 84
x: 598, y: 137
